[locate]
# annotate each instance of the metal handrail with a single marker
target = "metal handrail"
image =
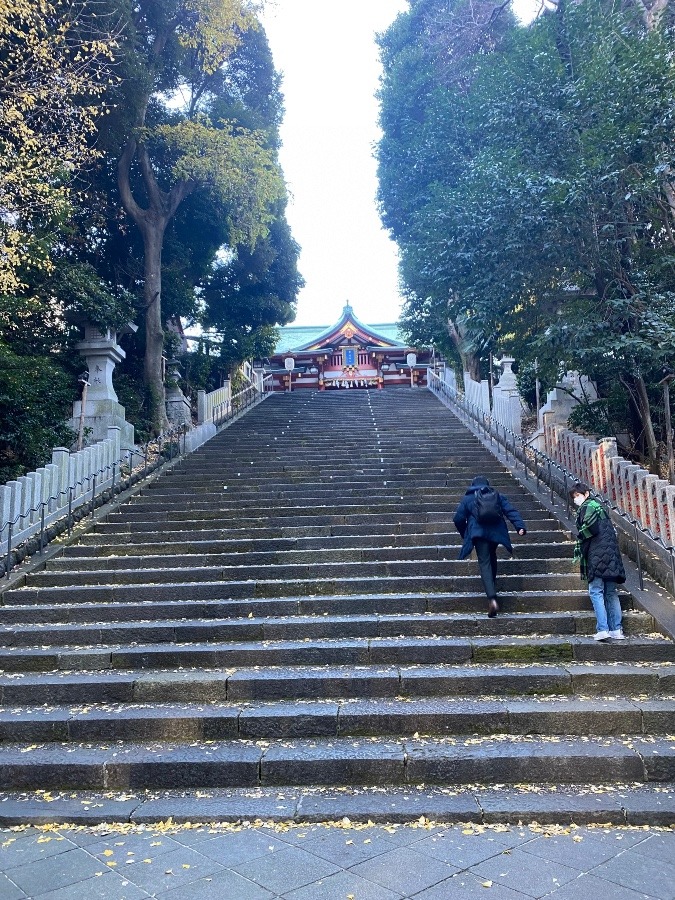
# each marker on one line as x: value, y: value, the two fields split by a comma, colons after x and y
x: 542, y: 467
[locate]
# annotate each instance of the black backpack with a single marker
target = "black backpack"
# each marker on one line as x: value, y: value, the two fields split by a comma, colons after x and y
x: 488, y: 506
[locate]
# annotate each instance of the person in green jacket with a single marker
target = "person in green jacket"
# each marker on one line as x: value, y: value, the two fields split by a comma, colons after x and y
x: 597, y: 551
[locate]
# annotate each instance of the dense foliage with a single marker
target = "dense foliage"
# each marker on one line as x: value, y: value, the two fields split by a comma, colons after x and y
x: 526, y: 174
x: 139, y: 181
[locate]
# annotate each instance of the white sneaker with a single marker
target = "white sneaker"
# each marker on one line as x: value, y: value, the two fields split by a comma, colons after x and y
x: 617, y: 635
x: 601, y: 636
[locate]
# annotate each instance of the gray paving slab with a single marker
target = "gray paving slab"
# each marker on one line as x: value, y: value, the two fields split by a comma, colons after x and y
x: 526, y: 874
x: 142, y: 846
x: 61, y: 870
x: 468, y: 885
x: 225, y: 885
x: 347, y: 848
x: 462, y: 851
x: 640, y: 873
x: 314, y: 861
x: 239, y: 847
x: 9, y: 890
x: 586, y: 886
x: 170, y: 870
x: 404, y: 870
x: 658, y: 846
x: 20, y: 849
x: 108, y: 886
x: 584, y: 850
x: 340, y: 886
x: 286, y: 869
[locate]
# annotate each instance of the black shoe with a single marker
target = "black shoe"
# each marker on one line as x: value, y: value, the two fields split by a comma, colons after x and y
x: 493, y: 607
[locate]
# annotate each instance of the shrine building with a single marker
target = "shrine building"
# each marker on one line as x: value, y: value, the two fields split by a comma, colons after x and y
x: 346, y: 355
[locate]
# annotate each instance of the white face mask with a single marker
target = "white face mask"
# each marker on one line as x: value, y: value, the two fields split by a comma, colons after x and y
x: 579, y: 499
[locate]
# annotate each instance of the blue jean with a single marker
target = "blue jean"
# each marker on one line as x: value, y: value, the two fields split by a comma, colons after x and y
x: 605, y: 599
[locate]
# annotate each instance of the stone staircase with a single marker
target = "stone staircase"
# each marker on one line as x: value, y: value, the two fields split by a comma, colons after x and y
x: 283, y: 615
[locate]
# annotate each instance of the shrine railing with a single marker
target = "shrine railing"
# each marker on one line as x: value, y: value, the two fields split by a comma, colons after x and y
x: 250, y: 396
x: 556, y: 480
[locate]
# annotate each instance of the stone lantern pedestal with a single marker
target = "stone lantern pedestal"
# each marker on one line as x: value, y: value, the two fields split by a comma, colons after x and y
x: 506, y: 403
x: 178, y: 409
x: 102, y: 408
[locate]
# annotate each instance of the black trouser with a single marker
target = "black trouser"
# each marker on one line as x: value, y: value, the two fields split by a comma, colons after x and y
x: 486, y: 551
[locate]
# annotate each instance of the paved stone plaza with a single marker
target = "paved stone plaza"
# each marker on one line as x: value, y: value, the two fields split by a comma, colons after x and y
x: 344, y: 862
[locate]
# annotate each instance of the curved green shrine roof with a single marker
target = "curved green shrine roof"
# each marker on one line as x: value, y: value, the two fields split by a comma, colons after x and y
x: 305, y: 337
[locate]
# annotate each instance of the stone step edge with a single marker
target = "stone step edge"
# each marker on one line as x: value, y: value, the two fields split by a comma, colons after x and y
x: 515, y: 716
x: 417, y: 807
x: 451, y: 568
x: 499, y: 759
x: 303, y: 598
x: 636, y: 625
x: 295, y: 546
x: 222, y: 583
x: 388, y: 682
x: 285, y: 558
x: 582, y: 615
x: 364, y: 653
x: 489, y: 642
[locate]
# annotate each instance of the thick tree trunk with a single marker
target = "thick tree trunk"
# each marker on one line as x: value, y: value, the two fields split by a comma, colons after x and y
x: 651, y: 447
x: 639, y: 402
x: 152, y: 222
x: 153, y: 236
x: 470, y: 361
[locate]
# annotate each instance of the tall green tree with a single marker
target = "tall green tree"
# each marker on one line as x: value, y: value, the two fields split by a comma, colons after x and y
x: 556, y: 223
x: 174, y: 142
x: 53, y: 71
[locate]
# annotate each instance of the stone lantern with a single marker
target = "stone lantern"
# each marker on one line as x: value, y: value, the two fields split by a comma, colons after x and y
x: 102, y: 408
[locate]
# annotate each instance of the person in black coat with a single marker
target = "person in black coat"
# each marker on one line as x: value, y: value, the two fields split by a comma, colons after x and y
x: 485, y: 537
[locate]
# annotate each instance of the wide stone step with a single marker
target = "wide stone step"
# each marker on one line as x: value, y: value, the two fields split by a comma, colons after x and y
x: 329, y: 514
x: 281, y: 580
x: 501, y: 759
x: 275, y: 598
x: 643, y: 680
x: 329, y: 605
x: 251, y: 589
x: 121, y: 532
x: 208, y: 556
x: 435, y: 716
x: 346, y: 651
x: 118, y: 543
x: 302, y: 627
x: 420, y: 545
x: 378, y: 495
x: 211, y: 568
x: 648, y: 804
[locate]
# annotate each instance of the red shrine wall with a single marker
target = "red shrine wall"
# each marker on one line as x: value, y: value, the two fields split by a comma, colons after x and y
x: 332, y: 375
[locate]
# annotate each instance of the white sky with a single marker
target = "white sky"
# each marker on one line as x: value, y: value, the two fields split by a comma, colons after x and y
x: 327, y: 54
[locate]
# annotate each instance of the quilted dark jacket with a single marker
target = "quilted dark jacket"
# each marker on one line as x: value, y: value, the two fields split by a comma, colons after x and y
x: 600, y: 551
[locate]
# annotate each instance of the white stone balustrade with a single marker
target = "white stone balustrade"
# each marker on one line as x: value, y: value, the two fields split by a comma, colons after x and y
x: 68, y: 478
x: 477, y: 393
x: 209, y: 403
